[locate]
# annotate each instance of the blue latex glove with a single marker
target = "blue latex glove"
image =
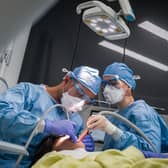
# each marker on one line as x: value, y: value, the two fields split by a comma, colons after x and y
x: 89, y: 143
x: 61, y: 127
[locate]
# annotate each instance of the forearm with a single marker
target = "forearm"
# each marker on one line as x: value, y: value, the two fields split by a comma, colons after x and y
x: 128, y: 139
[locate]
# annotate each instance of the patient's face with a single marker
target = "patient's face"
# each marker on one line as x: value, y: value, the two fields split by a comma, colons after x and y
x: 63, y: 143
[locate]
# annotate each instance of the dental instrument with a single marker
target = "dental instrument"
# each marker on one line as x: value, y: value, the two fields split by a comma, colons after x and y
x: 84, y: 133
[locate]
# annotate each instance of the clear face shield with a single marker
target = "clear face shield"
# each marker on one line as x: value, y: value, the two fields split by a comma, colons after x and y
x: 77, y: 91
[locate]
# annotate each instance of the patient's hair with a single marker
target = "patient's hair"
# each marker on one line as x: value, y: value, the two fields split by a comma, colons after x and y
x: 45, y: 146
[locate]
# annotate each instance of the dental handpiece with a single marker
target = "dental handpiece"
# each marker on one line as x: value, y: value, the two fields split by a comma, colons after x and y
x: 84, y: 133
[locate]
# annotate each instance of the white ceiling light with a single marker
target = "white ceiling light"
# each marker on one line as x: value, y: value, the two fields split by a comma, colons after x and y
x: 103, y: 20
x: 134, y: 55
x: 156, y: 30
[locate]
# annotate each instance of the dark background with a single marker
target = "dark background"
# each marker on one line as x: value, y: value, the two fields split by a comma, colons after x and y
x: 60, y: 40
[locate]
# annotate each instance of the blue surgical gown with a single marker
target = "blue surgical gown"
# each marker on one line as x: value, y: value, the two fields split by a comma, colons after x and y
x: 145, y: 118
x: 20, y: 109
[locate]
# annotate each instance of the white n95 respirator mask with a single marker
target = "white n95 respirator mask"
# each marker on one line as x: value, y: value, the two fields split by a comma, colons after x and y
x: 71, y: 103
x: 112, y: 94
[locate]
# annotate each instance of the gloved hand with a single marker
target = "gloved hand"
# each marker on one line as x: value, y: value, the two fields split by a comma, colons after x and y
x: 102, y: 123
x: 61, y: 127
x: 89, y: 143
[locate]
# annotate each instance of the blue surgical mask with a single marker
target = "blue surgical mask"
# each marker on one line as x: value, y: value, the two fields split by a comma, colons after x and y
x: 112, y: 94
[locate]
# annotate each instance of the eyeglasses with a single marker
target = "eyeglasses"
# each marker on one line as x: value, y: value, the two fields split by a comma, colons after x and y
x: 78, y: 91
x: 112, y: 82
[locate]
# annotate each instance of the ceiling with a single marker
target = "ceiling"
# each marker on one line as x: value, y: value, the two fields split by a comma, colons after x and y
x: 70, y: 43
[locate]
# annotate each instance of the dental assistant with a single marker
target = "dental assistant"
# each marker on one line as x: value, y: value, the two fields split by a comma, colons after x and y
x: 22, y: 106
x: 118, y: 84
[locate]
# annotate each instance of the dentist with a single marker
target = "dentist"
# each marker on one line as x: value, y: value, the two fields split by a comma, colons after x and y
x: 118, y: 84
x: 22, y: 106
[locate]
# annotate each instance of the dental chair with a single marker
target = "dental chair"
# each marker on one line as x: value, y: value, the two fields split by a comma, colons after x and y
x: 13, y: 148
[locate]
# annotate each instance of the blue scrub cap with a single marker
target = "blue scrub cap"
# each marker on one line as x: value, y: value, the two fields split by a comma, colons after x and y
x: 88, y: 77
x: 122, y: 71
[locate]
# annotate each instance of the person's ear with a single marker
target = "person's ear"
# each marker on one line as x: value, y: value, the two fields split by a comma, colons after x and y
x: 128, y: 91
x: 67, y: 82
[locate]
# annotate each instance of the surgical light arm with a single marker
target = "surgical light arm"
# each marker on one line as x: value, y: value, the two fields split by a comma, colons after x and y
x: 127, y: 10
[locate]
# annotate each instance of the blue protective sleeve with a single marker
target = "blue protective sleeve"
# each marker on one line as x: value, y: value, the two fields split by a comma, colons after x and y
x: 145, y: 119
x: 14, y: 119
x: 128, y: 139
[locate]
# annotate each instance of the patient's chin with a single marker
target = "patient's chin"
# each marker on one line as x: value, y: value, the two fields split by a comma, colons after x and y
x: 80, y: 145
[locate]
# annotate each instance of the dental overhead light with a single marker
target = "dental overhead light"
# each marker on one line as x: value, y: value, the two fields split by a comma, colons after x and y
x: 105, y: 21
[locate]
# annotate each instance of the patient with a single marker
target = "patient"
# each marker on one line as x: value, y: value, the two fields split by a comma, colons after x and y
x: 60, y: 144
x: 68, y: 153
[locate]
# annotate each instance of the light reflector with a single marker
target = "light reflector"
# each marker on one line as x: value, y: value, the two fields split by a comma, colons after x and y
x: 103, y: 20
